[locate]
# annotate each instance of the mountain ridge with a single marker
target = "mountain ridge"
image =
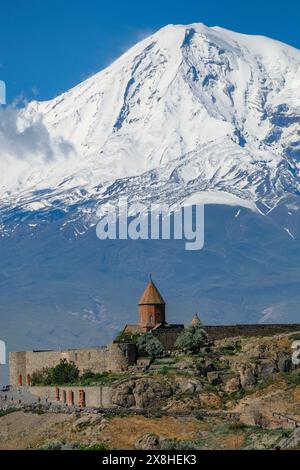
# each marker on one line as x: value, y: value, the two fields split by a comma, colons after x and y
x: 207, y: 122
x: 229, y: 115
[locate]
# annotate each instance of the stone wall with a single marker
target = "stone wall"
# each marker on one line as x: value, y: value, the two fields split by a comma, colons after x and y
x: 118, y: 356
x: 167, y: 335
x: 36, y: 360
x: 17, y: 367
x: 121, y: 355
x: 229, y: 331
x: 96, y: 396
x: 114, y: 357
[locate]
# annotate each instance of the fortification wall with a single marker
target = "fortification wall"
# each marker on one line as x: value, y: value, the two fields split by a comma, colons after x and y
x: 97, y: 396
x: 38, y: 360
x: 121, y: 355
x: 167, y: 336
x: 230, y: 331
x: 114, y: 357
x: 118, y: 356
x: 94, y: 359
x: 17, y: 367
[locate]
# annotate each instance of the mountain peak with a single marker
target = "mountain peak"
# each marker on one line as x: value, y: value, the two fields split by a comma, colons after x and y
x: 192, y: 108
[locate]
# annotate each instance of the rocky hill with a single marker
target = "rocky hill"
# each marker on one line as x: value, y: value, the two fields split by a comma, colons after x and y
x: 220, y: 377
x: 241, y: 393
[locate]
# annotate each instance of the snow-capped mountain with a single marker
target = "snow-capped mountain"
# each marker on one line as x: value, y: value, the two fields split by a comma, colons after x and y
x: 189, y: 114
x: 188, y: 109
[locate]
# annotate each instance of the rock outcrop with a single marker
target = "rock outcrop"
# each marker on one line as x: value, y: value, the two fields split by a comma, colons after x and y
x: 141, y: 393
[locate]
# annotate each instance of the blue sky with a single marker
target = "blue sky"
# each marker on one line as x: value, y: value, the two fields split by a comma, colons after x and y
x: 48, y: 46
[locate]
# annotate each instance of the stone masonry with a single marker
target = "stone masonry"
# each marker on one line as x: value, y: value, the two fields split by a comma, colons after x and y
x: 118, y: 356
x: 114, y: 357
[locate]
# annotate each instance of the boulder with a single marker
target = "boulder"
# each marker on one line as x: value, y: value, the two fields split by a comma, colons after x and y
x: 148, y: 391
x: 148, y: 442
x: 230, y: 382
x: 283, y: 362
x: 182, y: 365
x: 141, y: 393
x: 82, y: 422
x: 247, y: 376
x: 266, y: 371
x: 123, y: 395
x: 123, y: 398
x: 191, y: 386
x: 97, y: 419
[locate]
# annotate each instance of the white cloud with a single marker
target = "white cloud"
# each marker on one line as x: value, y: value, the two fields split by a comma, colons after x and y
x: 25, y: 138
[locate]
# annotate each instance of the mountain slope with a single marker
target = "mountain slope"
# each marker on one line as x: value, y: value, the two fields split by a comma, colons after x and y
x: 190, y: 105
x: 190, y: 114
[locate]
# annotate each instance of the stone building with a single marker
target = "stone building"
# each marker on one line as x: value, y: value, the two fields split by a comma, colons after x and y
x: 152, y: 317
x: 118, y: 356
x: 114, y: 357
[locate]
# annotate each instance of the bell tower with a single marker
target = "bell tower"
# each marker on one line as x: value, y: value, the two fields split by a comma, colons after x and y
x: 151, y: 308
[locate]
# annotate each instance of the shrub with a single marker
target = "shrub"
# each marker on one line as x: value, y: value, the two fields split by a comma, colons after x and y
x: 34, y: 409
x: 199, y: 416
x: 89, y: 378
x: 219, y: 365
x: 174, y: 444
x: 148, y: 345
x: 237, y: 425
x: 98, y: 446
x: 55, y: 445
x: 295, y: 337
x: 63, y: 445
x: 164, y: 370
x: 127, y: 337
x: 293, y: 378
x: 192, y: 339
x: 42, y: 377
x: 9, y: 410
x: 231, y: 349
x: 65, y: 372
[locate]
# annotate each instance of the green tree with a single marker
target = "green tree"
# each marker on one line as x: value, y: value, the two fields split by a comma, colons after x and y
x: 65, y: 372
x: 41, y: 377
x: 192, y: 339
x: 127, y: 337
x: 148, y: 345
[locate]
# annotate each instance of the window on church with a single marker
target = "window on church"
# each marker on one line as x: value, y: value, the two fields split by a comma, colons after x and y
x: 75, y: 356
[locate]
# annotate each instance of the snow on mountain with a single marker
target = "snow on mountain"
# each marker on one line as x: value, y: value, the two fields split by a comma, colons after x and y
x: 190, y: 114
x: 187, y: 110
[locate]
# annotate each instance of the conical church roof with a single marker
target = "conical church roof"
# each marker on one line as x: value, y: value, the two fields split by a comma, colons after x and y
x: 151, y: 295
x: 196, y: 320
